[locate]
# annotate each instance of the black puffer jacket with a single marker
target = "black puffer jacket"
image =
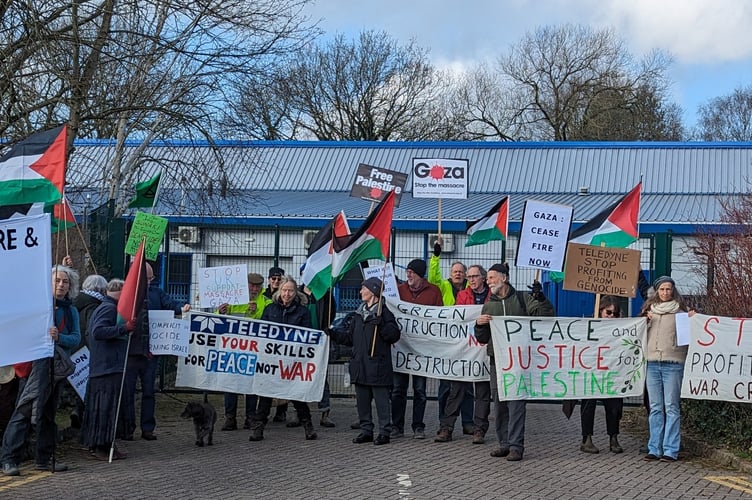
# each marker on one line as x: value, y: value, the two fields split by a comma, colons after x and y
x: 295, y: 314
x: 358, y: 331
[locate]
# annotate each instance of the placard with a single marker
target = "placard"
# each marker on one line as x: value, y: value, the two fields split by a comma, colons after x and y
x: 386, y: 274
x: 604, y: 270
x: 440, y: 178
x: 151, y: 227
x: 373, y: 183
x: 168, y: 334
x: 223, y: 285
x: 543, y: 235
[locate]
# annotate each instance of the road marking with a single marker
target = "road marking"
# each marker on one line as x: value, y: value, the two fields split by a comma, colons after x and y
x: 9, y: 482
x: 734, y: 482
x: 404, y: 482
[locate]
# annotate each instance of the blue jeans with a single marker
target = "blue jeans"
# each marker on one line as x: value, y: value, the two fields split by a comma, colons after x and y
x: 664, y: 380
x: 399, y: 401
x: 325, y: 404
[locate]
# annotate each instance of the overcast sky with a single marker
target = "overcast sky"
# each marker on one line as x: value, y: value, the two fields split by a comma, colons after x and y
x: 710, y: 40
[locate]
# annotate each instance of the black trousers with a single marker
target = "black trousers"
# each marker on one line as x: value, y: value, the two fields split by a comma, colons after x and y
x: 613, y: 408
x: 265, y: 406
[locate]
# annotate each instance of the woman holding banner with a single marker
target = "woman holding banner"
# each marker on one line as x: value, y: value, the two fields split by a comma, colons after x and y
x: 613, y: 407
x: 288, y: 307
x: 665, y: 370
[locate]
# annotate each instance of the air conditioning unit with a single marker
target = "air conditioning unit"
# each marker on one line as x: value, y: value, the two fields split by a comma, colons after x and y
x: 308, y: 237
x: 447, y: 242
x: 189, y: 235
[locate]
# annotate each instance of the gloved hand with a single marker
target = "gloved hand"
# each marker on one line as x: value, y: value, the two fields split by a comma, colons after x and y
x: 375, y: 320
x: 437, y: 249
x: 536, y: 290
x: 130, y: 325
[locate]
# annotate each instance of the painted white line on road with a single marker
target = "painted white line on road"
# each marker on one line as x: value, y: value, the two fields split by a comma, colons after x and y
x: 404, y: 482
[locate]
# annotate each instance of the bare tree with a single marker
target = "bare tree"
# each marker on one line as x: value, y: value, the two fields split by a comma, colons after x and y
x: 727, y: 118
x: 572, y: 76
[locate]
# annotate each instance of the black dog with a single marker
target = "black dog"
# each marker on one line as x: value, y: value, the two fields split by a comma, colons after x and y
x: 204, y: 417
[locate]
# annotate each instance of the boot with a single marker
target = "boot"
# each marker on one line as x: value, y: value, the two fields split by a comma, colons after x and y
x: 443, y: 436
x: 613, y: 445
x: 310, y: 434
x: 587, y: 445
x: 325, y: 422
x: 257, y: 431
x: 230, y: 423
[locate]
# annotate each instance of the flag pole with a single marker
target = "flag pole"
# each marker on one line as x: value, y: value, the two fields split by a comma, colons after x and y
x: 125, y: 363
x: 439, y: 221
x: 598, y: 295
x: 156, y: 194
x: 378, y: 309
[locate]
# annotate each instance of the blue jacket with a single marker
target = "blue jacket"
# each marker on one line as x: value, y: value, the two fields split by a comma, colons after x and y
x: 160, y: 300
x: 107, y: 340
x: 66, y: 316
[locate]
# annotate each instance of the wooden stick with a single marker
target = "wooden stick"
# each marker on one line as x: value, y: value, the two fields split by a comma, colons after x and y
x: 378, y: 309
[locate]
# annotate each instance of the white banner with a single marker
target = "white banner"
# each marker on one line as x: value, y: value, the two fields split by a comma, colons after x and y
x: 440, y: 178
x: 543, y: 235
x: 223, y: 285
x: 719, y: 362
x: 80, y: 377
x: 439, y: 342
x: 168, y: 334
x: 568, y: 358
x: 390, y: 282
x: 26, y: 294
x: 247, y: 356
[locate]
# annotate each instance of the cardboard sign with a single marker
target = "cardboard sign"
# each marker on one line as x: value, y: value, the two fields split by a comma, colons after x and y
x: 440, y: 178
x: 373, y: 183
x: 168, y: 334
x: 80, y: 377
x: 390, y: 282
x: 543, y: 235
x: 223, y: 285
x: 604, y: 270
x: 150, y: 226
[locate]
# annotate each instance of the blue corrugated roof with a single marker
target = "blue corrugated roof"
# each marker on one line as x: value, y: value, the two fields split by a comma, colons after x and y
x: 682, y: 182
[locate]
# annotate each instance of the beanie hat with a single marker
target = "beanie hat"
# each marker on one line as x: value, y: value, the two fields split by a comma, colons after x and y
x: 500, y: 268
x: 255, y: 279
x: 276, y: 271
x: 418, y: 266
x: 663, y: 279
x: 373, y: 285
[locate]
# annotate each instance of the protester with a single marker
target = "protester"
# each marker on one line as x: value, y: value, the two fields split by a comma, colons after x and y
x: 253, y: 309
x: 287, y: 307
x: 418, y: 290
x: 38, y: 394
x: 274, y: 278
x: 371, y: 331
x: 142, y: 365
x: 506, y: 301
x: 450, y: 288
x: 613, y: 407
x: 665, y: 370
x: 477, y: 293
x: 108, y: 343
x: 93, y: 291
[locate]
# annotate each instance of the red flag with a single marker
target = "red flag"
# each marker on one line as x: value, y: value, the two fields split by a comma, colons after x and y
x: 134, y: 290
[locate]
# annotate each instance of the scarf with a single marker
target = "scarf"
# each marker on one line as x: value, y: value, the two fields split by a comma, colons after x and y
x: 93, y: 293
x: 668, y: 307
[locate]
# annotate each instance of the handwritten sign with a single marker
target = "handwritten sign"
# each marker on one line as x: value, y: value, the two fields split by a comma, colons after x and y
x: 719, y: 361
x: 387, y: 276
x: 604, y: 270
x: 543, y: 235
x: 80, y: 377
x: 374, y: 183
x: 440, y: 178
x: 248, y: 356
x: 223, y: 285
x: 151, y: 227
x: 167, y: 334
x: 439, y: 342
x: 568, y: 358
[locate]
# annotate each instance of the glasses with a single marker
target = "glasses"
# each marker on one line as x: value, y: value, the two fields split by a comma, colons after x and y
x: 609, y: 312
x: 473, y: 276
x: 275, y: 278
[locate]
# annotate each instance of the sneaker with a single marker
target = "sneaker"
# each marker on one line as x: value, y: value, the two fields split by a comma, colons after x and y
x: 668, y: 458
x: 500, y: 452
x: 443, y: 436
x: 514, y: 456
x: 11, y: 470
x: 479, y: 437
x: 650, y: 457
x: 419, y: 433
x: 59, y: 467
x: 394, y: 433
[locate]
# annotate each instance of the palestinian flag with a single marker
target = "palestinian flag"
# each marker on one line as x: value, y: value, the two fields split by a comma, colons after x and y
x: 615, y: 226
x: 62, y: 216
x: 492, y: 226
x: 146, y: 193
x: 371, y: 241
x: 133, y: 296
x: 317, y: 270
x: 34, y: 169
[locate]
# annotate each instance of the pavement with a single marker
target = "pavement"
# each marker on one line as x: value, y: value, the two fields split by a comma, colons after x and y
x: 284, y: 465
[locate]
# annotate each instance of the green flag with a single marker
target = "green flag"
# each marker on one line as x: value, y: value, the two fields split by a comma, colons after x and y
x: 146, y: 193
